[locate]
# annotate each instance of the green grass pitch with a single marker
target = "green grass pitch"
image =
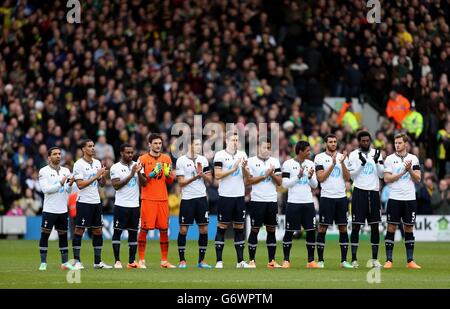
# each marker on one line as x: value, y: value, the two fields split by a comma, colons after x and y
x: 20, y: 261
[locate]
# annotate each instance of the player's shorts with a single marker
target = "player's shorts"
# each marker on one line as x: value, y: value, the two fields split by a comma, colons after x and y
x: 401, y: 210
x: 333, y: 209
x: 154, y: 215
x: 194, y: 209
x: 126, y: 218
x: 263, y: 213
x: 89, y: 215
x: 50, y: 220
x: 231, y: 209
x: 298, y: 215
x: 365, y: 206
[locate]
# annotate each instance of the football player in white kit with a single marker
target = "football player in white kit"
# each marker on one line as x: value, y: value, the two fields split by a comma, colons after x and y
x: 366, y: 167
x: 332, y: 174
x: 89, y: 174
x: 401, y: 171
x: 192, y: 170
x: 299, y: 178
x: 124, y: 178
x: 231, y: 204
x: 263, y: 173
x: 56, y: 183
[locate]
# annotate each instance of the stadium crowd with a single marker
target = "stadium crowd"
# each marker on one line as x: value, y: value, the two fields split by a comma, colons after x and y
x: 134, y: 67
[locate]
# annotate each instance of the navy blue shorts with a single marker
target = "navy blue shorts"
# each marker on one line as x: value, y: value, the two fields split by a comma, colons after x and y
x: 126, y: 218
x: 50, y: 220
x: 401, y: 211
x: 89, y: 215
x: 333, y: 209
x: 231, y: 209
x: 194, y: 209
x: 366, y: 206
x: 298, y: 215
x: 263, y: 213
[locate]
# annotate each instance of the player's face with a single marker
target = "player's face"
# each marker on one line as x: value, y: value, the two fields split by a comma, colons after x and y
x: 364, y: 143
x: 232, y: 142
x: 305, y: 154
x: 400, y: 145
x: 55, y: 157
x: 197, y: 146
x: 89, y: 149
x: 264, y: 150
x: 128, y: 154
x: 156, y: 145
x: 331, y: 144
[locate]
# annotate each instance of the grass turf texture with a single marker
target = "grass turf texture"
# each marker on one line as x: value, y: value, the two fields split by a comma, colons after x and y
x: 20, y: 262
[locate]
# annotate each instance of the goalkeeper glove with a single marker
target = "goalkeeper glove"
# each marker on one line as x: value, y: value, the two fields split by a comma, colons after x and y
x: 167, y: 169
x: 155, y: 171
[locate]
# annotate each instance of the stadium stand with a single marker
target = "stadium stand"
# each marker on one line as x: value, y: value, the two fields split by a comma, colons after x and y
x: 134, y: 67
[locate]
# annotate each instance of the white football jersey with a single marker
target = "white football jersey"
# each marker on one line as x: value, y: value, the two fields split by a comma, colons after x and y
x: 187, y: 167
x: 232, y: 185
x: 128, y: 195
x: 402, y: 189
x: 55, y: 194
x: 334, y: 185
x: 83, y: 170
x: 265, y: 190
x: 365, y: 177
x: 299, y: 189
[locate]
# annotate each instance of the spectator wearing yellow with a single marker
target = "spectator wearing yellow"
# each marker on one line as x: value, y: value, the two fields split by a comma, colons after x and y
x: 346, y: 116
x: 413, y: 123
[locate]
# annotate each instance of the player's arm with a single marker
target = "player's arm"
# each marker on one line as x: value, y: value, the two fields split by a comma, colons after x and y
x: 389, y: 176
x: 248, y: 178
x: 81, y: 184
x: 414, y: 172
x: 276, y: 176
x: 288, y: 182
x: 220, y: 174
x: 69, y: 183
x: 206, y: 175
x: 323, y: 174
x: 353, y: 167
x: 345, y: 172
x: 48, y: 188
x: 117, y: 183
x: 312, y: 178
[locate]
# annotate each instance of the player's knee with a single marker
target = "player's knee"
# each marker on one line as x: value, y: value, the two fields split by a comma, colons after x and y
x: 270, y: 229
x: 238, y: 226
x: 183, y: 229
x: 256, y: 229
x: 392, y: 228
x: 62, y: 232
x: 322, y: 228
x: 374, y: 227
x: 79, y: 231
x: 203, y: 229
x: 342, y: 228
x: 408, y: 228
x: 97, y: 231
x: 222, y: 226
x: 356, y: 227
x: 45, y: 231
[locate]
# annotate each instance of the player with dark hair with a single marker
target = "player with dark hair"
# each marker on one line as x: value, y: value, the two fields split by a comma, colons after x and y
x: 192, y: 170
x: 56, y: 183
x: 124, y: 178
x: 332, y: 174
x: 365, y: 165
x: 263, y: 173
x: 89, y: 174
x: 154, y: 177
x: 299, y: 178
